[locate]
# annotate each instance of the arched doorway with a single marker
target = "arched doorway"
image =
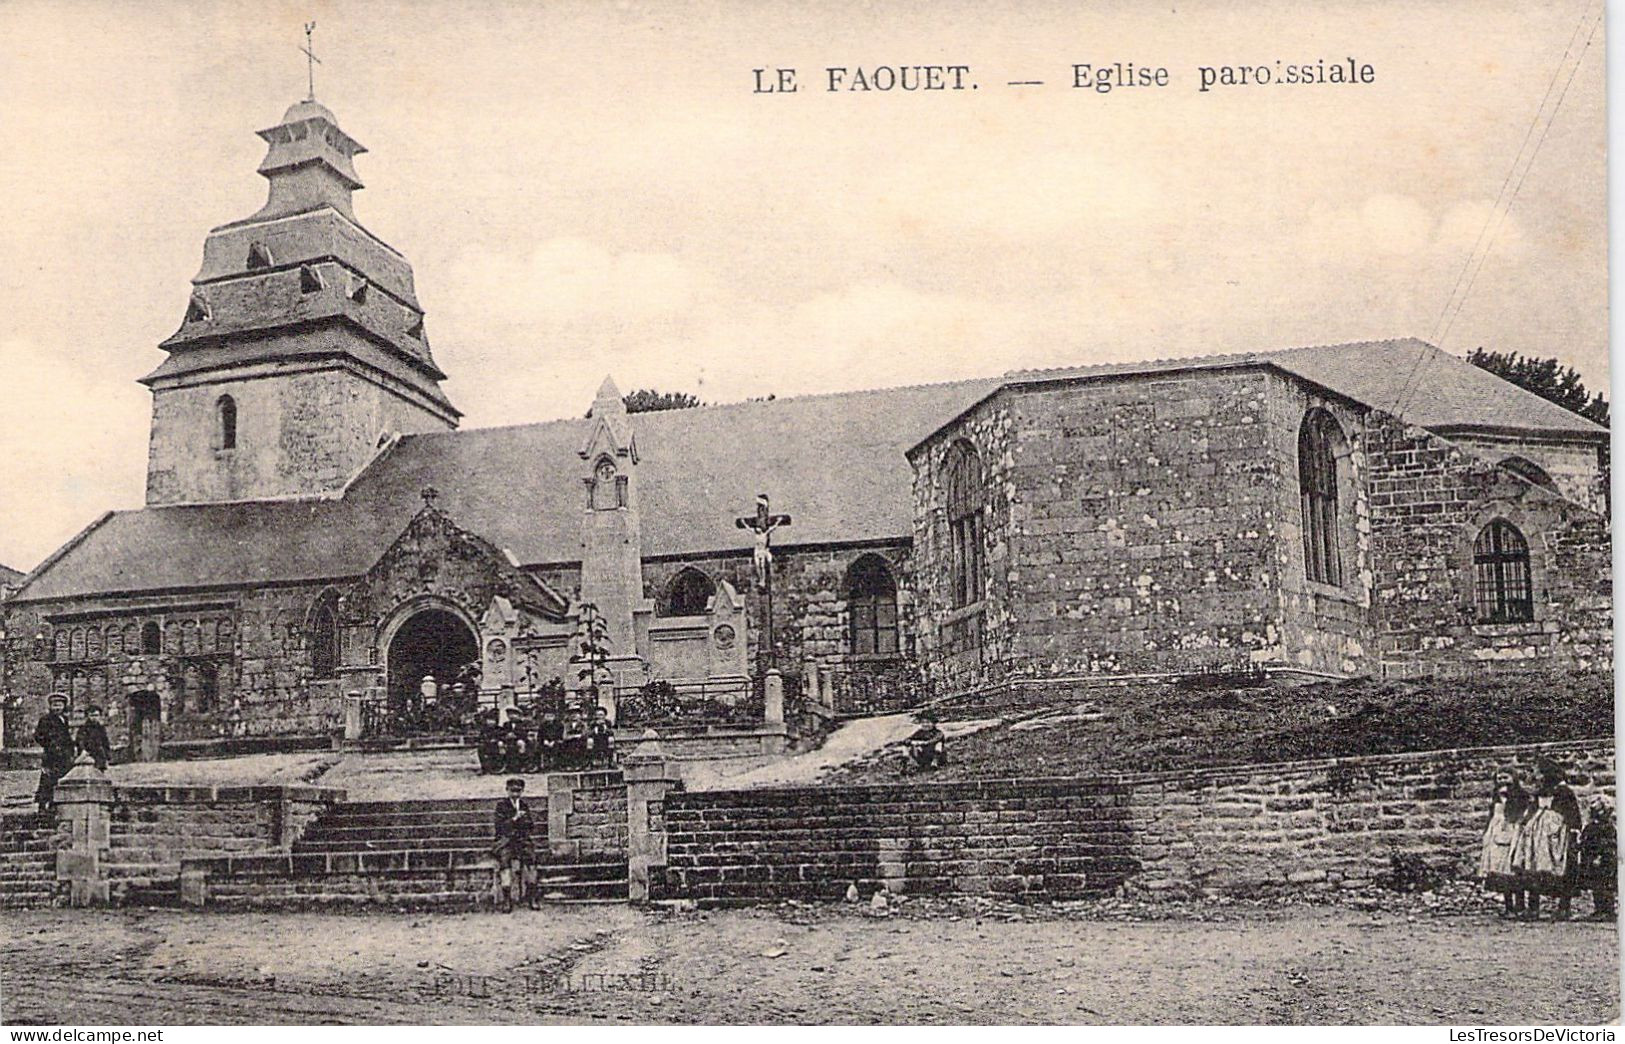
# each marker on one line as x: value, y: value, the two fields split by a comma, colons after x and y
x: 146, y: 726
x: 433, y: 643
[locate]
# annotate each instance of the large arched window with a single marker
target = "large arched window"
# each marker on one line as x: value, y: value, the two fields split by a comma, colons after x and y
x: 1319, y: 439
x: 689, y: 594
x: 871, y: 599
x: 1501, y: 581
x: 324, y: 638
x: 965, y: 498
x: 226, y: 408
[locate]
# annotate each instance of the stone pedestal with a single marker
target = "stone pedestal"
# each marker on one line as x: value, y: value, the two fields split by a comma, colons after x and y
x: 352, y: 715
x: 650, y: 776
x: 773, y: 712
x: 84, y: 803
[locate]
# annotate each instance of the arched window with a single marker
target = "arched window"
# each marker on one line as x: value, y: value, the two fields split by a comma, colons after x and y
x: 226, y: 408
x: 324, y: 639
x: 1319, y: 439
x: 1530, y: 472
x: 689, y: 594
x: 965, y: 498
x: 151, y: 639
x: 1501, y: 583
x: 871, y: 599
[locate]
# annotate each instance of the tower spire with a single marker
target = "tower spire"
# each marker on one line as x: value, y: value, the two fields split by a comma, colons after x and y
x: 311, y: 61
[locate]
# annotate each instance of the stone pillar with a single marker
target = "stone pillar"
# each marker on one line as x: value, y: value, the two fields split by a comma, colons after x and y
x: 352, y: 715
x: 84, y: 802
x: 650, y: 776
x: 773, y: 712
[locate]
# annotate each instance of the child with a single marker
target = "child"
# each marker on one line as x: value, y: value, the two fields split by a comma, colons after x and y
x: 928, y: 747
x: 601, y: 739
x: 512, y: 823
x: 548, y: 738
x: 573, y: 740
x: 92, y: 738
x: 1508, y: 808
x: 1543, y: 851
x: 1599, y: 857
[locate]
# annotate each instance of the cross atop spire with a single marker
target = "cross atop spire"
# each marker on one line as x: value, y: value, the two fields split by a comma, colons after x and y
x: 311, y: 61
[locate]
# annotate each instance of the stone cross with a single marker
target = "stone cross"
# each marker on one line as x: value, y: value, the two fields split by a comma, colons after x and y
x: 311, y: 61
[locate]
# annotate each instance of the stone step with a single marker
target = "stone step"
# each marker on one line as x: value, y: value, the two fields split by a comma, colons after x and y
x: 389, y: 843
x: 348, y: 820
x: 434, y: 805
x: 340, y: 830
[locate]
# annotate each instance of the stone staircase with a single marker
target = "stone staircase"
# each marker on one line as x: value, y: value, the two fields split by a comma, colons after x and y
x: 400, y: 853
x: 27, y: 859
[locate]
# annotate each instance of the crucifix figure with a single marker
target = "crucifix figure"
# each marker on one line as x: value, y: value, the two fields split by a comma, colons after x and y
x: 311, y: 61
x: 761, y: 525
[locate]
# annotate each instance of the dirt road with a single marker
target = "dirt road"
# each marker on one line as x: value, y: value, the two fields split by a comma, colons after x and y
x: 843, y: 964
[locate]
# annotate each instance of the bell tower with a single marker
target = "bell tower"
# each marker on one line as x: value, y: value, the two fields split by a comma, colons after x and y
x: 303, y: 344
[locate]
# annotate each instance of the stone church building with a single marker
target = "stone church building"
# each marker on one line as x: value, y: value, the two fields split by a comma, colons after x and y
x: 316, y: 525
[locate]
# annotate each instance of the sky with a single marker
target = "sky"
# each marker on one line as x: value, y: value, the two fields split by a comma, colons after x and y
x: 594, y: 188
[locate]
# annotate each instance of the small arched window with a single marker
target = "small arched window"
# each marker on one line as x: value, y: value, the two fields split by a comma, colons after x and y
x: 965, y: 497
x: 1319, y: 439
x: 226, y: 409
x: 324, y: 639
x: 1501, y: 581
x: 689, y: 594
x: 871, y: 598
x: 151, y: 639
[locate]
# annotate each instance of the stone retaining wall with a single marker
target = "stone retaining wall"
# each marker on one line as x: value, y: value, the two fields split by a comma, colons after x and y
x: 1242, y: 830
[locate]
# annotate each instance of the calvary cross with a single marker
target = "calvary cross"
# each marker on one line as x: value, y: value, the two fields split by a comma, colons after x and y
x: 762, y: 524
x: 311, y: 60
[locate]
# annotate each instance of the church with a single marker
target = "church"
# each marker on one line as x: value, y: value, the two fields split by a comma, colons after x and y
x: 321, y: 545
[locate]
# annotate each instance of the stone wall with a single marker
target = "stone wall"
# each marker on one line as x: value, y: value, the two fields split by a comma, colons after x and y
x: 253, y: 644
x: 1132, y: 526
x: 1310, y: 825
x: 297, y: 433
x: 1430, y: 499
x: 586, y: 814
x: 1578, y: 469
x: 154, y: 828
x: 810, y: 619
x: 1336, y: 823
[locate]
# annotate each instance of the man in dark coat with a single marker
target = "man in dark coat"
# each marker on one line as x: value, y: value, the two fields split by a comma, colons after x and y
x: 56, y: 744
x: 512, y: 823
x: 92, y: 738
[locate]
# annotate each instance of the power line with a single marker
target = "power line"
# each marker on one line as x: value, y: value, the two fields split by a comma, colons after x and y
x: 1497, y: 215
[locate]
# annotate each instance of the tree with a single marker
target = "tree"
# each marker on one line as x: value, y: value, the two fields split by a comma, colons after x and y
x: 592, y: 646
x: 647, y: 400
x: 1547, y: 378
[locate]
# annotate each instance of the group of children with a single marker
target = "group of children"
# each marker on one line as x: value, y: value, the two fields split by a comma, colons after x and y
x: 558, y: 739
x: 1537, y: 845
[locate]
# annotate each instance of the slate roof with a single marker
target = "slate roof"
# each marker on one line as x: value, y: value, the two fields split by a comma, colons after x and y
x: 836, y: 463
x: 9, y: 576
x: 1442, y: 392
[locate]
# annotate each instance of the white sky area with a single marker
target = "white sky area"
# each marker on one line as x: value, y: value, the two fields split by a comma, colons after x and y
x: 592, y: 188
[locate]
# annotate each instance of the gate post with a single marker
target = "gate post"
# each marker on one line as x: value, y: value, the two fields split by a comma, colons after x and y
x: 650, y: 776
x: 84, y: 805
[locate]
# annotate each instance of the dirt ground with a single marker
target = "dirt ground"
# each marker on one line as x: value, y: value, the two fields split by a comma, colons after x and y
x: 916, y: 962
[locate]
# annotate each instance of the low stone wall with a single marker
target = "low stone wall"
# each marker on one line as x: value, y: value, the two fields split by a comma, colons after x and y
x: 1248, y: 829
x: 1335, y: 823
x: 154, y: 827
x: 586, y: 814
x: 1037, y: 839
x: 112, y: 841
